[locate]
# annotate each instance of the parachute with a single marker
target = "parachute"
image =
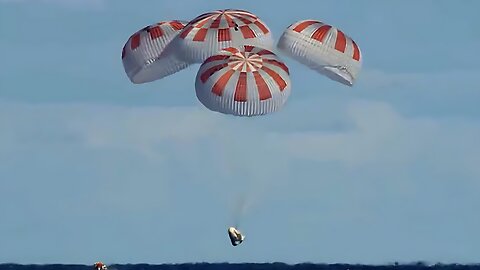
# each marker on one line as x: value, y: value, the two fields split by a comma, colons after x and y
x: 213, y: 31
x: 141, y: 53
x: 239, y: 72
x: 244, y: 82
x: 323, y: 48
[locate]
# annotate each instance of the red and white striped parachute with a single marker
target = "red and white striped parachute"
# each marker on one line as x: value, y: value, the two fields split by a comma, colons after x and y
x: 211, y: 32
x: 323, y: 48
x: 140, y: 54
x: 244, y: 82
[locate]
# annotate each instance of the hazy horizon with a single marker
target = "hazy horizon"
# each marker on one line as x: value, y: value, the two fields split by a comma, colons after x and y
x: 93, y: 167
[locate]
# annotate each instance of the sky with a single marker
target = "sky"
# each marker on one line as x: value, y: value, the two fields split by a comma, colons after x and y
x: 93, y: 167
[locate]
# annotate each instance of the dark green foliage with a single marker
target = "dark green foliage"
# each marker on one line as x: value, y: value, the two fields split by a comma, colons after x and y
x: 247, y: 266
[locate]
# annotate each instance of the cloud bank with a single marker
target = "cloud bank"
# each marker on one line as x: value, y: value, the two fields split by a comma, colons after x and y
x: 380, y: 167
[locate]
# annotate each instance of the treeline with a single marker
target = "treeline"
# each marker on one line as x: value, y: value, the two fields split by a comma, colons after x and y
x: 246, y: 266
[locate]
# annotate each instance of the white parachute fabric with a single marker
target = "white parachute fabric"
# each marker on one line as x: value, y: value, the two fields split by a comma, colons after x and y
x: 323, y: 48
x: 211, y: 32
x: 141, y: 53
x: 243, y: 82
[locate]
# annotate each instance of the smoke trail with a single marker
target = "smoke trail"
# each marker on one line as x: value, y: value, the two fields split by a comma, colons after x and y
x: 248, y: 177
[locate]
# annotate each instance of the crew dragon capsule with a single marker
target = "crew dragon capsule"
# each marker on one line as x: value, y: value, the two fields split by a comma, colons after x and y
x: 236, y: 237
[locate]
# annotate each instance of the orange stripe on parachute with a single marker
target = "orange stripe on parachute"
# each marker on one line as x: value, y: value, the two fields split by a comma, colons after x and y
x: 276, y: 77
x: 220, y: 85
x: 321, y: 32
x: 263, y: 90
x: 301, y: 26
x: 341, y: 42
x: 241, y: 89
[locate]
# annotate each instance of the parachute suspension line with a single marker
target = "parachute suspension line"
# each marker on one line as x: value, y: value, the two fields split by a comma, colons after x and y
x: 238, y: 171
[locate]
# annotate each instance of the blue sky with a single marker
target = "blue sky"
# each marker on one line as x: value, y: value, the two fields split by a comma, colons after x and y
x: 93, y: 167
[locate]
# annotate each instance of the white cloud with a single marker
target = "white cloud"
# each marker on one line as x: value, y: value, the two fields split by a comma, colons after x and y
x: 379, y: 134
x: 373, y: 132
x: 380, y: 162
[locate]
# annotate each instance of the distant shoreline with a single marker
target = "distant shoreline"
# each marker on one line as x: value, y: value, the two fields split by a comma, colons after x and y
x: 246, y: 266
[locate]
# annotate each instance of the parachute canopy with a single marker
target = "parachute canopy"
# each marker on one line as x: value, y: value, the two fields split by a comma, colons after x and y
x: 210, y: 32
x: 141, y: 53
x: 244, y: 82
x: 323, y: 48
